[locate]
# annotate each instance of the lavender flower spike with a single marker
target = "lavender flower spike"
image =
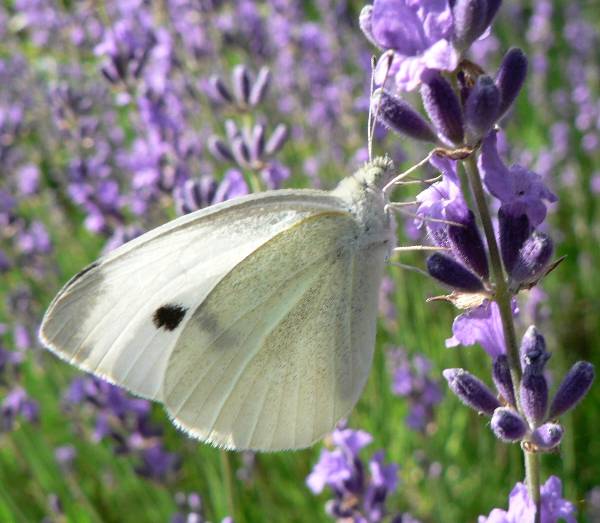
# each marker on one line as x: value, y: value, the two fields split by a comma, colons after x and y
x: 508, y: 425
x: 453, y: 274
x: 482, y: 107
x: 503, y: 379
x: 442, y: 106
x: 399, y: 116
x: 511, y: 77
x: 533, y: 351
x: 470, y: 21
x: 533, y: 259
x: 573, y: 388
x: 534, y: 396
x: 471, y: 391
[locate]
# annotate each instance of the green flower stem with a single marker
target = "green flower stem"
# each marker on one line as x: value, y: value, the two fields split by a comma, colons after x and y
x: 503, y: 297
x: 532, y: 470
x: 502, y: 294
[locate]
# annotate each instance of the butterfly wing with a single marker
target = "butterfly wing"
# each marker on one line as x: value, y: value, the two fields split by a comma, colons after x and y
x: 281, y: 348
x: 121, y: 316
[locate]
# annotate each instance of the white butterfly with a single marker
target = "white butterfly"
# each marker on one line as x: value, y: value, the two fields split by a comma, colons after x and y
x: 253, y: 321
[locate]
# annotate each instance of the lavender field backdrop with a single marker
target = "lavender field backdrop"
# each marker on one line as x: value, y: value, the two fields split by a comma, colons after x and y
x: 118, y: 116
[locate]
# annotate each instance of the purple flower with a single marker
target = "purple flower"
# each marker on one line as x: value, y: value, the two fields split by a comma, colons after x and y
x: 522, y: 510
x: 481, y: 325
x: 332, y: 469
x: 410, y: 379
x: 419, y: 35
x: 18, y: 403
x: 519, y: 189
x: 157, y: 463
x: 441, y: 201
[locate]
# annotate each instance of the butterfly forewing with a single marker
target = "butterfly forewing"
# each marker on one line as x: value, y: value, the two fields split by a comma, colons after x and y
x: 121, y: 317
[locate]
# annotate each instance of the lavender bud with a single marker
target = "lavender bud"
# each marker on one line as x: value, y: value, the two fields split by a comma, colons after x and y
x: 260, y: 86
x: 533, y: 352
x: 548, y: 436
x: 442, y: 106
x: 471, y: 391
x: 453, y: 274
x: 399, y: 116
x: 514, y: 231
x: 492, y: 9
x: 219, y: 90
x: 510, y: 78
x: 533, y: 258
x: 231, y: 130
x: 469, y: 21
x: 240, y: 151
x: 482, y: 107
x: 573, y: 388
x: 219, y: 149
x: 508, y: 425
x: 277, y: 139
x: 468, y: 244
x: 195, y: 194
x: 257, y: 142
x: 241, y: 83
x: 503, y: 379
x: 365, y: 23
x: 534, y: 397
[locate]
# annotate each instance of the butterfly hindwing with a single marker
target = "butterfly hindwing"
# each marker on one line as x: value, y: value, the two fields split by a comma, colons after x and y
x: 280, y: 349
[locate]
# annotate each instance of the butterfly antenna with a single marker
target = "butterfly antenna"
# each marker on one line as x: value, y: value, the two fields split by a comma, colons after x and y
x: 388, y: 56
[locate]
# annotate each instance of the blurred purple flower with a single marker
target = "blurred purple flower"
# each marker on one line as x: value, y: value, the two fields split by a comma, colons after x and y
x: 522, y: 510
x: 17, y: 403
x: 519, y: 189
x: 357, y: 495
x: 419, y: 35
x: 410, y: 379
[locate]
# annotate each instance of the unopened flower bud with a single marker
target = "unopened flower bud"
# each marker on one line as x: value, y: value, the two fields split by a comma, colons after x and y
x: 241, y: 83
x: 453, y: 274
x: 547, y: 436
x: 514, y: 231
x: 573, y: 388
x: 468, y: 244
x: 534, y: 397
x: 260, y: 86
x: 492, y: 9
x: 231, y: 130
x: 277, y: 139
x: 442, y: 106
x: 240, y: 151
x: 533, y: 352
x: 533, y: 258
x: 219, y: 93
x: 257, y: 142
x: 399, y: 116
x: 508, y: 425
x: 470, y: 18
x: 471, y: 391
x: 482, y: 107
x: 503, y: 379
x: 510, y: 78
x: 219, y: 149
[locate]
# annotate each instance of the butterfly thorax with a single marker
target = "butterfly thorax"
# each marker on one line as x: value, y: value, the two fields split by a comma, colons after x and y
x: 363, y: 193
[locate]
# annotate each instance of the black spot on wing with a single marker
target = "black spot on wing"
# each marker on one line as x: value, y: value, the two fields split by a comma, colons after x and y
x: 168, y: 316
